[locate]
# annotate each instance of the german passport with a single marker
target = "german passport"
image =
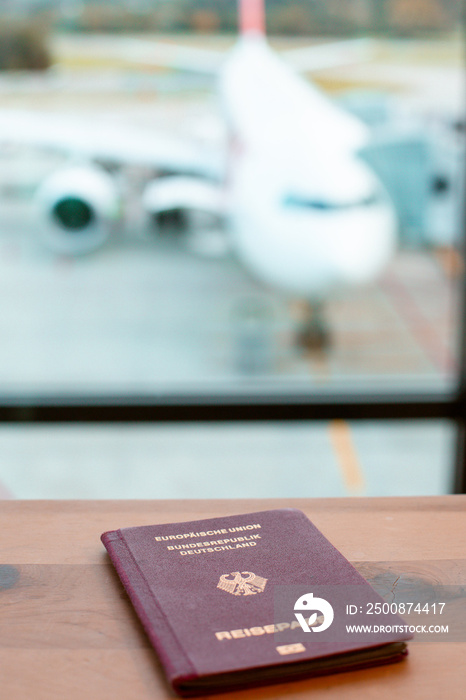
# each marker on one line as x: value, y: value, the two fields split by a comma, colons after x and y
x: 244, y: 600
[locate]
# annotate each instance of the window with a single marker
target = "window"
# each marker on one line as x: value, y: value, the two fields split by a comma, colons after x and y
x: 157, y: 266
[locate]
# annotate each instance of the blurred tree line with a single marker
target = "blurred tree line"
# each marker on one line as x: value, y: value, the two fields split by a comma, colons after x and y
x: 25, y: 24
x: 284, y: 17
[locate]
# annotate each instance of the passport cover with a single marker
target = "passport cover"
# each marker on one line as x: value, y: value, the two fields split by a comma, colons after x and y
x: 206, y: 594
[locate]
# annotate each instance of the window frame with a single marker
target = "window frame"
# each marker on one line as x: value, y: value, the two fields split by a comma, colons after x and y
x: 201, y: 408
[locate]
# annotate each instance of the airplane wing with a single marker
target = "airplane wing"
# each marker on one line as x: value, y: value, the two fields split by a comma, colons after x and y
x: 162, y: 54
x: 145, y: 52
x: 119, y: 144
x: 331, y: 55
x: 113, y: 143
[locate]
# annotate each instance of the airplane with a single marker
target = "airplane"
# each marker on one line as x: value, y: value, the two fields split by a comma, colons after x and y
x: 305, y: 214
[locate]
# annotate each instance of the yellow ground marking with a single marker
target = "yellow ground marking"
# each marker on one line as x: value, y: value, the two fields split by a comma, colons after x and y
x: 346, y: 455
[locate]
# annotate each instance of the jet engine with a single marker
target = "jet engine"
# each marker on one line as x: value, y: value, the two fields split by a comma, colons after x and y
x: 181, y: 195
x: 191, y: 206
x: 76, y: 207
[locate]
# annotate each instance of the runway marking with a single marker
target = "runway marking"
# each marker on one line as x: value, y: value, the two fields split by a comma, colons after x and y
x: 421, y: 328
x: 346, y: 455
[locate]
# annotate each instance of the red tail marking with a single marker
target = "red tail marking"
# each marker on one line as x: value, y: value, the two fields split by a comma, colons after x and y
x: 252, y: 16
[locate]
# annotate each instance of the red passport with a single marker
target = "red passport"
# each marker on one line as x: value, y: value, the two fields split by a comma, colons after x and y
x: 250, y: 599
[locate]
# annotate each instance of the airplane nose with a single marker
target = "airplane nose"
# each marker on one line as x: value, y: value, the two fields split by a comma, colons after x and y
x: 311, y: 253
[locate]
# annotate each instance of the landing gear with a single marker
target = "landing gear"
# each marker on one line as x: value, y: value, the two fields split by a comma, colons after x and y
x: 313, y: 333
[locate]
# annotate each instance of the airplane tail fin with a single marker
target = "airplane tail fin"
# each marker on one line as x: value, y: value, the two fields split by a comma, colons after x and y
x: 252, y: 16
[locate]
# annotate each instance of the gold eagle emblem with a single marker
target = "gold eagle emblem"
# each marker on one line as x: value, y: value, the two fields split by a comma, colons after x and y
x: 242, y: 583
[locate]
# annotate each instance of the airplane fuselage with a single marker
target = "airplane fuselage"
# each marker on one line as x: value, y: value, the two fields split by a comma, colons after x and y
x: 307, y: 214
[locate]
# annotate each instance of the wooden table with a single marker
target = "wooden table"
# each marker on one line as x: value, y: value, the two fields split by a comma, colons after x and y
x: 67, y: 630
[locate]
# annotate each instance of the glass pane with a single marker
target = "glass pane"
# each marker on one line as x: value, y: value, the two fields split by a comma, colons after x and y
x: 228, y: 461
x: 293, y: 233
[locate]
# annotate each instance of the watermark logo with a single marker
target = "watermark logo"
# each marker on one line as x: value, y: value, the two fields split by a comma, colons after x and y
x: 307, y: 603
x: 242, y: 583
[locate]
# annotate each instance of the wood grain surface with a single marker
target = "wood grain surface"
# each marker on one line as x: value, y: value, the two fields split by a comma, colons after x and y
x: 68, y: 631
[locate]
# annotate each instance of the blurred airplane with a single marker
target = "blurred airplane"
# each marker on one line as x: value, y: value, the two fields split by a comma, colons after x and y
x: 306, y: 214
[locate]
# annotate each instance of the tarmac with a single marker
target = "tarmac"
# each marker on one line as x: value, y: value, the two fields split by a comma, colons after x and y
x: 144, y: 315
